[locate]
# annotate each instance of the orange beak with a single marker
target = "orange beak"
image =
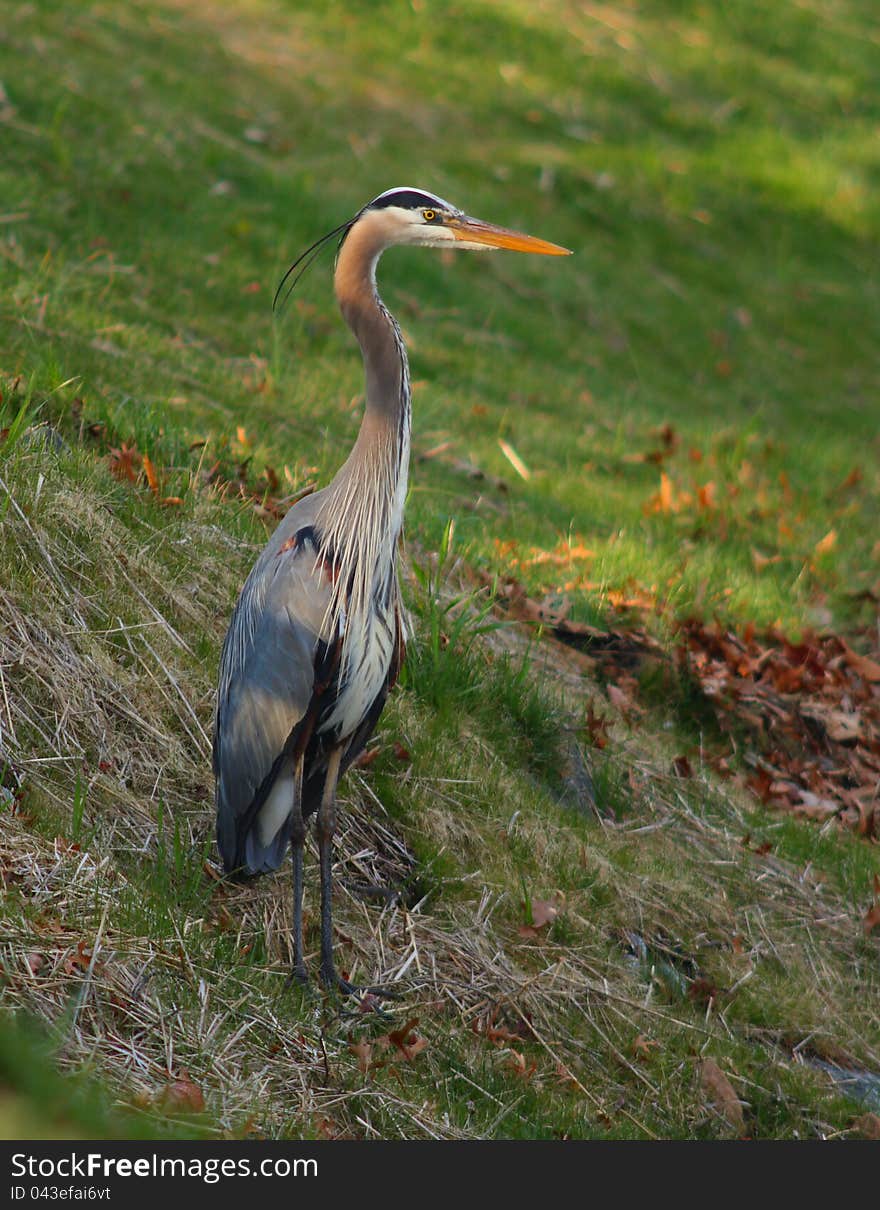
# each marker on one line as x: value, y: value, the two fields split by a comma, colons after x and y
x: 472, y: 231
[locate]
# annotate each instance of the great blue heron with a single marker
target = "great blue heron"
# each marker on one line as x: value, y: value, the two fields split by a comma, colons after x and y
x: 316, y: 639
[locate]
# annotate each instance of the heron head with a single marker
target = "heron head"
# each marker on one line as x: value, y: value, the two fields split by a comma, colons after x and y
x: 407, y: 216
x: 415, y: 217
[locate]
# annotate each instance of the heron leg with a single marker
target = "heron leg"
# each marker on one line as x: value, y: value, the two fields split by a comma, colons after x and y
x: 326, y: 829
x: 297, y: 842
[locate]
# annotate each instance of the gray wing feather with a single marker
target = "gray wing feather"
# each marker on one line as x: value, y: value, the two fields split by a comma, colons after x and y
x: 266, y: 682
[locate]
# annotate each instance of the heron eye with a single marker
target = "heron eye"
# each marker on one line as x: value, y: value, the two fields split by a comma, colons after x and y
x: 429, y: 215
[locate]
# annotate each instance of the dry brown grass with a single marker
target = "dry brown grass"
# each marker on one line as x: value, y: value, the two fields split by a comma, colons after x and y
x: 153, y: 973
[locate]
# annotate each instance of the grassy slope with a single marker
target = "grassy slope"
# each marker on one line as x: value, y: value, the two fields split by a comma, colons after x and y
x: 161, y: 165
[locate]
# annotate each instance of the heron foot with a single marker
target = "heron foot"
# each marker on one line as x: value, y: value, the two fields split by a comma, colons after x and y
x: 334, y: 982
x: 299, y: 976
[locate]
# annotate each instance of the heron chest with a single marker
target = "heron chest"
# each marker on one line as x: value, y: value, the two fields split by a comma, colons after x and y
x: 366, y: 654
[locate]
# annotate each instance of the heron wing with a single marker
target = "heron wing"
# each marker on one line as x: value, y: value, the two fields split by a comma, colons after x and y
x: 267, y: 679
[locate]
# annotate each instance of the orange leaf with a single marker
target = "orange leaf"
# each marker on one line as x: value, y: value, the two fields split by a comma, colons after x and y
x: 152, y: 478
x: 367, y: 757
x: 828, y: 543
x: 642, y: 1047
x: 852, y: 479
x: 124, y: 462
x: 706, y: 496
x: 665, y: 493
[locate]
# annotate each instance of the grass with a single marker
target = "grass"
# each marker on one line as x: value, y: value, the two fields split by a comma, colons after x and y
x: 713, y: 168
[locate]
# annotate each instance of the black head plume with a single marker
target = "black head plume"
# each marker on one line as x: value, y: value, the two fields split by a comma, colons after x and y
x: 408, y: 198
x: 308, y: 256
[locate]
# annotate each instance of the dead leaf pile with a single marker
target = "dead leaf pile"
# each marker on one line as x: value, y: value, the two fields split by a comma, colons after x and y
x: 628, y: 647
x: 812, y: 709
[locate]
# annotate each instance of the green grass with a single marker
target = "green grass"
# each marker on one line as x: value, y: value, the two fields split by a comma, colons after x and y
x: 713, y: 173
x: 714, y: 169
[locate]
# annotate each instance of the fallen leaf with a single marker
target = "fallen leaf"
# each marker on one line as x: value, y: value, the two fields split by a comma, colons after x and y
x: 79, y: 960
x: 499, y: 1034
x: 665, y: 495
x: 706, y: 496
x: 124, y: 462
x: 719, y: 1089
x: 544, y: 911
x: 366, y: 758
x: 407, y: 1043
x: 826, y: 544
x: 868, y: 1126
x: 759, y: 561
x: 597, y: 728
x: 872, y: 916
x: 815, y: 807
x: 566, y: 1077
x: 845, y: 728
x: 702, y: 991
x: 363, y: 1052
x: 516, y: 1061
x: 868, y: 670
x: 681, y: 767
x: 852, y: 479
x: 641, y: 1047
x: 182, y: 1096
x: 152, y: 477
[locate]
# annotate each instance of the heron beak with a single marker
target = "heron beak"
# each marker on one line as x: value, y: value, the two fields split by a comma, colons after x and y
x: 472, y: 231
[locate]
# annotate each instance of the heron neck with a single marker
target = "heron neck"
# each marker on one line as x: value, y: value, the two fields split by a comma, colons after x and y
x: 385, y: 365
x: 370, y: 487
